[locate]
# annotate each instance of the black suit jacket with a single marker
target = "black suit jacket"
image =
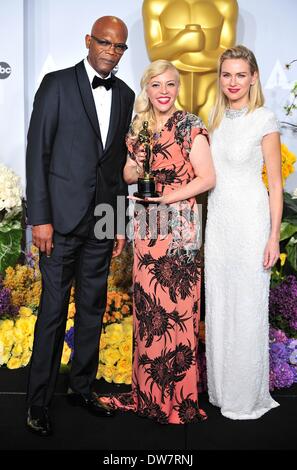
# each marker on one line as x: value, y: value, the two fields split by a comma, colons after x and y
x: 66, y: 164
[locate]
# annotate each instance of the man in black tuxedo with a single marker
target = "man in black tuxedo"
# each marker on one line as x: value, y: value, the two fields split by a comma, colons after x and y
x: 75, y: 157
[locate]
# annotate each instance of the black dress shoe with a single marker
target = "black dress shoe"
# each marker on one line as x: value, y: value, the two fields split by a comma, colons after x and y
x: 38, y: 421
x: 91, y: 402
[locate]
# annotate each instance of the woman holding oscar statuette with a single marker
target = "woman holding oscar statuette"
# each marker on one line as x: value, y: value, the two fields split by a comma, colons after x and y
x: 166, y: 274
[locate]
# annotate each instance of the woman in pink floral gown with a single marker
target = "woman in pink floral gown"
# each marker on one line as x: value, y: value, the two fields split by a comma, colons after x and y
x: 166, y: 274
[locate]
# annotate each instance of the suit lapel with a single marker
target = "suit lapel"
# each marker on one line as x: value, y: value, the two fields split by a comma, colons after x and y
x: 114, y: 115
x: 87, y: 97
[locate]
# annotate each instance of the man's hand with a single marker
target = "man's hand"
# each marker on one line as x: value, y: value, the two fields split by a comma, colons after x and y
x: 119, y: 245
x: 42, y: 236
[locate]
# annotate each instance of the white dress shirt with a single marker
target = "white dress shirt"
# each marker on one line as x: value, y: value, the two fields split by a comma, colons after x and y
x: 102, y: 98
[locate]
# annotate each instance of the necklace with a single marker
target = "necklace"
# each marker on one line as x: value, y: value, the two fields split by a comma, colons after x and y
x: 231, y: 113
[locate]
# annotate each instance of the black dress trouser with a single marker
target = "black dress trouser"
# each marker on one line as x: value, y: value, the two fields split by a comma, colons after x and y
x: 82, y: 257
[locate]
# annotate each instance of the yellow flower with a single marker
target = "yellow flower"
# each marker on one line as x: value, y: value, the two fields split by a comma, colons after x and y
x: 17, y: 350
x: 65, y: 354
x: 125, y: 348
x: 128, y: 320
x: 32, y: 321
x: 114, y: 333
x: 283, y: 257
x: 109, y: 356
x: 1, y: 353
x: 25, y: 312
x: 25, y: 358
x: 6, y: 325
x: 99, y: 374
x: 128, y: 379
x: 7, y: 337
x: 14, y: 363
x: 25, y: 325
x: 287, y: 156
x: 108, y: 373
x: 127, y: 330
x: 71, y: 310
x: 119, y: 378
x: 6, y: 356
x: 124, y: 365
x: 288, y: 160
x: 31, y: 340
x: 103, y: 341
x: 18, y: 334
x: 69, y: 324
x: 25, y: 343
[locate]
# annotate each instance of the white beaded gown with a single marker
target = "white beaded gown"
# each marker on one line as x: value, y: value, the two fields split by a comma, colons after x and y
x: 236, y: 284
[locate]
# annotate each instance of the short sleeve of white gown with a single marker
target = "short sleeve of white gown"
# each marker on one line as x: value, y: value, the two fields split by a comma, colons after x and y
x: 270, y: 123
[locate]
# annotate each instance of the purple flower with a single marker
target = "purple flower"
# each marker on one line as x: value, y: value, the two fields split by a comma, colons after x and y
x: 6, y: 307
x: 278, y: 352
x: 283, y: 301
x: 281, y: 375
x: 69, y: 338
x: 292, y: 343
x: 277, y: 336
x: 293, y: 357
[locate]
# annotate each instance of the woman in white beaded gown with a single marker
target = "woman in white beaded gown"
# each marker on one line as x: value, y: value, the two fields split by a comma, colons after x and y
x: 242, y: 239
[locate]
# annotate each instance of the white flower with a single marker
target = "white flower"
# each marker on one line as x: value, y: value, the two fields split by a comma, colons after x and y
x: 294, y: 195
x: 10, y: 192
x: 1, y: 353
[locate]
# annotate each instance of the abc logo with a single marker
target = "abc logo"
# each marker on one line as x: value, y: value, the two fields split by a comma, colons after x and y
x: 5, y: 70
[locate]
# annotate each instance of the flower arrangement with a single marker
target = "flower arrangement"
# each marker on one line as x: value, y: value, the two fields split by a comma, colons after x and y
x: 283, y: 306
x: 10, y: 217
x: 10, y: 194
x: 288, y: 160
x: 283, y: 359
x: 115, y: 358
x: 16, y: 339
x: 7, y: 309
x: 24, y: 283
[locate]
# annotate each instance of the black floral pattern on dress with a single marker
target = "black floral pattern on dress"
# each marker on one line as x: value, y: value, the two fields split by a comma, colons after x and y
x: 154, y: 320
x: 173, y: 272
x: 188, y: 409
x: 173, y: 120
x: 182, y: 134
x: 168, y: 176
x: 163, y: 372
x: 148, y: 408
x: 162, y: 149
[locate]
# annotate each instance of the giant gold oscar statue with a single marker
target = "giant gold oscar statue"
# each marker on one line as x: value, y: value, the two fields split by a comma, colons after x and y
x: 192, y: 34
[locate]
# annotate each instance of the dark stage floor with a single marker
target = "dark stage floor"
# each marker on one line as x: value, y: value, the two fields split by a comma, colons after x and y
x: 76, y: 429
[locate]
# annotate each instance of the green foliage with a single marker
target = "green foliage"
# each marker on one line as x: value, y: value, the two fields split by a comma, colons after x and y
x: 10, y: 243
x: 289, y: 229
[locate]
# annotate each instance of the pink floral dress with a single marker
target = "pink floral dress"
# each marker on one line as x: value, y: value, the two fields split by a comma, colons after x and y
x: 166, y: 287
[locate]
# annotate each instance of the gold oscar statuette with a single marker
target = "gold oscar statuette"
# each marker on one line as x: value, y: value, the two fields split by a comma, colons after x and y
x: 192, y: 34
x: 146, y: 185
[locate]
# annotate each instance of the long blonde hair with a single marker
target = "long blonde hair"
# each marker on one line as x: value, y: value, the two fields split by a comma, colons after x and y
x: 143, y: 107
x: 256, y: 97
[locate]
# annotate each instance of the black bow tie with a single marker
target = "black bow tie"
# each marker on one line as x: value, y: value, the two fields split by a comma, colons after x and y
x: 107, y: 82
